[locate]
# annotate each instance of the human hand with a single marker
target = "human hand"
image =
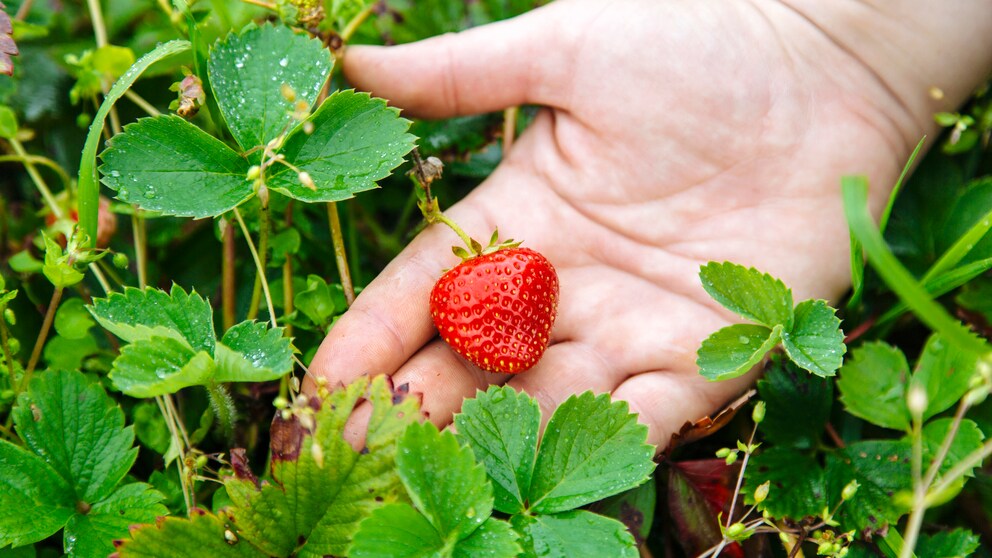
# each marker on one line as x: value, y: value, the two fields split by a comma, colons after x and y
x: 676, y: 133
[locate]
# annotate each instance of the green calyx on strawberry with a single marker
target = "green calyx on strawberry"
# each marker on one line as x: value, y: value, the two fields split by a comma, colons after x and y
x: 497, y: 307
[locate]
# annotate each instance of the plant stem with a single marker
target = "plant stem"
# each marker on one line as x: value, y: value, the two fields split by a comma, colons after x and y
x: 340, y: 255
x: 258, y: 265
x: 142, y: 103
x: 171, y: 406
x: 170, y: 423
x: 26, y: 159
x: 138, y: 232
x: 263, y: 249
x: 737, y: 491
x: 7, y: 355
x: 915, y: 522
x: 509, y: 128
x: 39, y: 182
x: 357, y: 21
x: 23, y: 11
x: 261, y: 4
x: 99, y: 27
x: 228, y: 286
x: 42, y: 336
x: 223, y: 406
x: 288, y: 293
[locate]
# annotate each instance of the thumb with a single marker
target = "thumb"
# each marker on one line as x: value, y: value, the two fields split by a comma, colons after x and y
x: 483, y: 69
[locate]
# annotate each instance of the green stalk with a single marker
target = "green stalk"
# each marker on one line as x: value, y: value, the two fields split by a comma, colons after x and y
x: 39, y: 182
x: 223, y: 406
x: 287, y: 277
x: 340, y: 255
x: 138, y: 232
x: 352, y: 26
x: 258, y: 266
x: 170, y: 422
x: 37, y: 159
x: 263, y: 250
x: 855, y: 194
x: 46, y: 326
x: 228, y: 287
x: 5, y: 344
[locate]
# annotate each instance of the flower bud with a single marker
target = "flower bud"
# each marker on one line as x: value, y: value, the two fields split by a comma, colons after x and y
x: 9, y: 316
x: 254, y: 172
x: 917, y: 400
x: 761, y: 492
x: 735, y: 530
x: 758, y: 414
x: 120, y: 260
x: 850, y: 490
x: 723, y: 452
x: 731, y: 459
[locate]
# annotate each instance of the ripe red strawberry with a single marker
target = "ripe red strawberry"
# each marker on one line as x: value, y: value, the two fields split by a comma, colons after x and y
x: 497, y: 309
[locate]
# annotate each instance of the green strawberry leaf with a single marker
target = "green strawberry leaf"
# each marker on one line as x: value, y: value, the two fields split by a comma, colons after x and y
x: 78, y: 430
x: 72, y: 321
x: 634, y: 508
x: 967, y: 440
x: 19, y: 552
x: 734, y: 350
x: 747, y: 292
x: 502, y: 428
x: 443, y: 480
x: 872, y: 385
x: 93, y: 533
x: 248, y: 70
x: 797, y: 488
x: 574, y: 533
x: 396, y: 531
x: 493, y: 539
x: 318, y: 497
x: 356, y: 140
x: 160, y: 365
x: 945, y: 372
x: 882, y: 469
x: 320, y: 302
x: 141, y: 314
x: 168, y: 165
x: 948, y: 544
x: 815, y: 342
x: 202, y: 534
x: 253, y: 352
x: 591, y: 449
x: 784, y: 389
x: 35, y: 501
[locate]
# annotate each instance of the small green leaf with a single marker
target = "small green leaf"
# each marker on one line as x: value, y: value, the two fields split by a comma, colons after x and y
x: 747, y: 292
x: 69, y: 354
x: 493, y: 539
x: 815, y: 342
x: 734, y: 350
x: 72, y: 321
x: 8, y: 122
x: 945, y: 372
x: 948, y: 544
x: 136, y: 315
x: 573, y: 533
x: 202, y: 534
x: 502, y: 427
x: 19, y: 552
x: 591, y: 449
x: 882, y: 469
x: 443, y: 480
x: 968, y: 440
x: 168, y: 165
x: 797, y: 487
x: 320, y: 302
x: 93, y: 533
x: 356, y: 140
x: 150, y: 428
x: 253, y: 352
x: 35, y: 502
x: 78, y: 430
x: 248, y: 70
x: 798, y: 405
x: 57, y: 267
x: 872, y: 385
x: 396, y: 531
x: 160, y: 365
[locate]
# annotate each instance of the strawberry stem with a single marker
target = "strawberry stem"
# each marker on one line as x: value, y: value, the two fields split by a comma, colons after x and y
x: 424, y: 175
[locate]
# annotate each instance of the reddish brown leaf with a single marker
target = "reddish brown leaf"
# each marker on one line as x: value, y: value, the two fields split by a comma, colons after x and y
x: 7, y: 46
x: 697, y: 492
x: 692, y: 431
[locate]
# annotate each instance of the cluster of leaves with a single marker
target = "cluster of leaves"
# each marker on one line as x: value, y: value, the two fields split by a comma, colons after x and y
x: 415, y: 491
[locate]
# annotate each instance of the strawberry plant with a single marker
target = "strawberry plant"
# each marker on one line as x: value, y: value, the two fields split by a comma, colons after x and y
x: 192, y: 194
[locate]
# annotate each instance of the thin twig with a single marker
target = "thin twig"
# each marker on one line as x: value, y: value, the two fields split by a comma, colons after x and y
x: 46, y: 326
x: 258, y: 264
x: 142, y: 103
x: 340, y: 255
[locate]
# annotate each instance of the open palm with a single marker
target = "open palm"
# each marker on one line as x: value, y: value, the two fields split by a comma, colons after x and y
x: 676, y: 133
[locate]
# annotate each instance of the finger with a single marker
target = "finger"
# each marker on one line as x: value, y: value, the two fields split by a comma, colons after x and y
x: 665, y: 400
x: 440, y: 378
x: 480, y: 70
